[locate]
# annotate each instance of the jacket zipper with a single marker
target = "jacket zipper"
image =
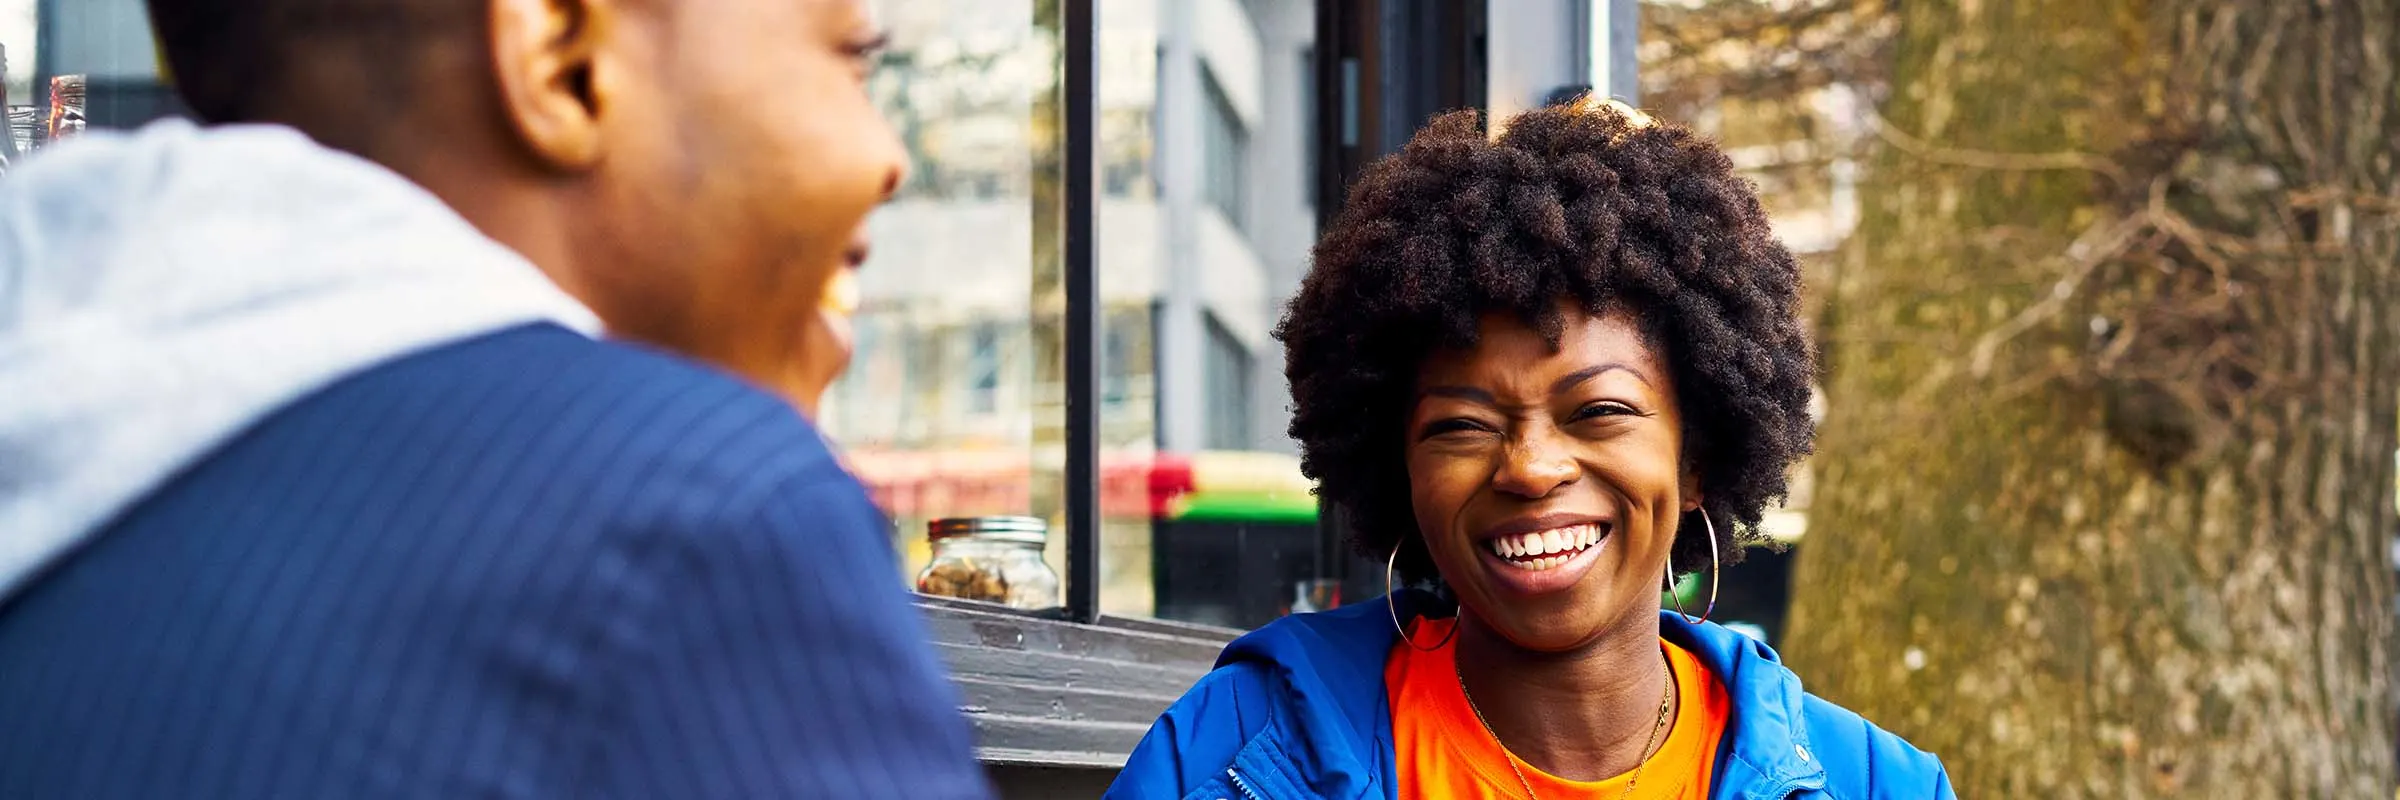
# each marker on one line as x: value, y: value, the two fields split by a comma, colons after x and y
x: 1241, y: 786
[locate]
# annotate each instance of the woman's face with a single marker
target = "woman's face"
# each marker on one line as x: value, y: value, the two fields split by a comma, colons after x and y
x: 1548, y: 484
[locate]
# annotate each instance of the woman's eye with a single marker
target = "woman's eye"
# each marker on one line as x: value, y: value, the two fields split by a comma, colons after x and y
x: 1597, y: 410
x: 1449, y: 426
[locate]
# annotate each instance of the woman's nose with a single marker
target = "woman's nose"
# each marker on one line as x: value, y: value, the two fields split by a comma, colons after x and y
x: 1533, y: 466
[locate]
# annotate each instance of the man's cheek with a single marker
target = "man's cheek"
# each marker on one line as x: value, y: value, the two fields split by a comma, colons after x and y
x: 822, y: 355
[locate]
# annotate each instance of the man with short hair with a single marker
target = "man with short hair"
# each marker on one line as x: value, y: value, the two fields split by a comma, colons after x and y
x: 425, y: 426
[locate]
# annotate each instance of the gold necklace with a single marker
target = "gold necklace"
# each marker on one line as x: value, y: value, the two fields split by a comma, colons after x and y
x: 1665, y: 695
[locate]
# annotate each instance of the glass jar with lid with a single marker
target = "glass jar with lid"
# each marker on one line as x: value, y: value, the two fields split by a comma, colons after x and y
x: 991, y: 559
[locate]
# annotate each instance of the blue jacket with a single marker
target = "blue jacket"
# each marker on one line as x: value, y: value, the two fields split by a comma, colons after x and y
x: 528, y: 564
x: 1298, y: 709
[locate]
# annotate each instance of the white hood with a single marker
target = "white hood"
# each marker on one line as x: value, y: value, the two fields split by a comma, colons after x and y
x: 162, y: 290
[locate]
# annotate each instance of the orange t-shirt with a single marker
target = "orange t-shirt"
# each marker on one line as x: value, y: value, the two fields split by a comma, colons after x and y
x: 1443, y: 751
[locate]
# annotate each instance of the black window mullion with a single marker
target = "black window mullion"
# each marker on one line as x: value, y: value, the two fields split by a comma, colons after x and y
x: 1080, y: 72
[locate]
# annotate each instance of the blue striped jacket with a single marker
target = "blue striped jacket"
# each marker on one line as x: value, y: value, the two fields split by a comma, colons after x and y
x: 525, y: 565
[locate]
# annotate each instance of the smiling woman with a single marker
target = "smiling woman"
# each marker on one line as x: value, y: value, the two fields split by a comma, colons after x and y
x: 1534, y: 462
x: 1542, y: 373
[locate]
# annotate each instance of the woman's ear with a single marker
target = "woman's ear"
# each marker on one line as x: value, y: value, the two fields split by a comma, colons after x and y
x: 1689, y: 487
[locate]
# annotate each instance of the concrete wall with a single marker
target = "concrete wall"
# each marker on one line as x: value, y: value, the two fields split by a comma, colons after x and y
x: 1234, y: 270
x: 1182, y: 329
x: 1284, y: 226
x: 1535, y: 46
x: 1227, y: 41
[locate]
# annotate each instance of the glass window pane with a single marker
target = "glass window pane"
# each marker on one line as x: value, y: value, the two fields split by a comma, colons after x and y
x: 69, y: 64
x: 954, y: 403
x: 1225, y: 151
x: 19, y: 30
x: 1227, y: 380
x: 1207, y: 517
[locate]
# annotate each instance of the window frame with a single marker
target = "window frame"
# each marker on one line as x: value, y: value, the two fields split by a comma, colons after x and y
x: 1434, y: 62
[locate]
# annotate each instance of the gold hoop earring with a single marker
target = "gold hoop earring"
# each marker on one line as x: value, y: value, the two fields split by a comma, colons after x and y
x: 1391, y: 604
x: 1714, y: 567
x: 1666, y: 585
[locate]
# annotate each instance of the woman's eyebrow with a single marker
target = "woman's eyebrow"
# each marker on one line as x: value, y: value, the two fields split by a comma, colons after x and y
x: 1570, y: 381
x: 1577, y: 377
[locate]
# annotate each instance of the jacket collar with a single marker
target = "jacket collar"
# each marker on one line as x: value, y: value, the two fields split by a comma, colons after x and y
x: 1337, y: 721
x: 1765, y: 752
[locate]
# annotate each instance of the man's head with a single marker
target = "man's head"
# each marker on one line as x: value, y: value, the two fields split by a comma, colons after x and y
x: 694, y: 170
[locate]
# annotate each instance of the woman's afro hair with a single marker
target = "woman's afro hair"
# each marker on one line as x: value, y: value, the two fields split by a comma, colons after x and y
x: 1586, y: 202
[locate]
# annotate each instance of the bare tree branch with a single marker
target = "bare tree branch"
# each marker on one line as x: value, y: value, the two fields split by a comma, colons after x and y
x: 2088, y: 252
x: 1986, y: 159
x: 2359, y: 201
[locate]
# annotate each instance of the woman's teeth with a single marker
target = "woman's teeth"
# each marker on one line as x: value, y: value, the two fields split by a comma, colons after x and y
x: 1542, y: 550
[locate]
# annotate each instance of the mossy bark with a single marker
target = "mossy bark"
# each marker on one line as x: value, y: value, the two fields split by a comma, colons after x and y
x: 2105, y: 492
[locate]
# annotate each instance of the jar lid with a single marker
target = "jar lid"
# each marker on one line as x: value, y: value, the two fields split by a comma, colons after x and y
x: 1018, y: 530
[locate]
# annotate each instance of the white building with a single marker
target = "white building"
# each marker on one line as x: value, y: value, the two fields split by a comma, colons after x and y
x: 1205, y: 221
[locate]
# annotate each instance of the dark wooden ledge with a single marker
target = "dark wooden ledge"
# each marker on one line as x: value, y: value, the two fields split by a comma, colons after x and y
x: 1046, y: 692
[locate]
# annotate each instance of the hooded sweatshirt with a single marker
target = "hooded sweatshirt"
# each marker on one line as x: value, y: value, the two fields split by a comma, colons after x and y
x: 162, y: 290
x: 1299, y: 708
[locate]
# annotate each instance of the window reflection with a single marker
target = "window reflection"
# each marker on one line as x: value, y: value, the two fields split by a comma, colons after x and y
x: 1228, y: 378
x: 70, y: 64
x: 1225, y: 148
x: 953, y: 405
x: 1207, y: 517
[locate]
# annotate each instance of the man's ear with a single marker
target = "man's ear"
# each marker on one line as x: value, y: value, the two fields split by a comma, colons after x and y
x: 545, y: 54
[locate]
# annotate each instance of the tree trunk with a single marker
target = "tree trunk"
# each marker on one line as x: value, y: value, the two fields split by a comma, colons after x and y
x: 2105, y: 493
